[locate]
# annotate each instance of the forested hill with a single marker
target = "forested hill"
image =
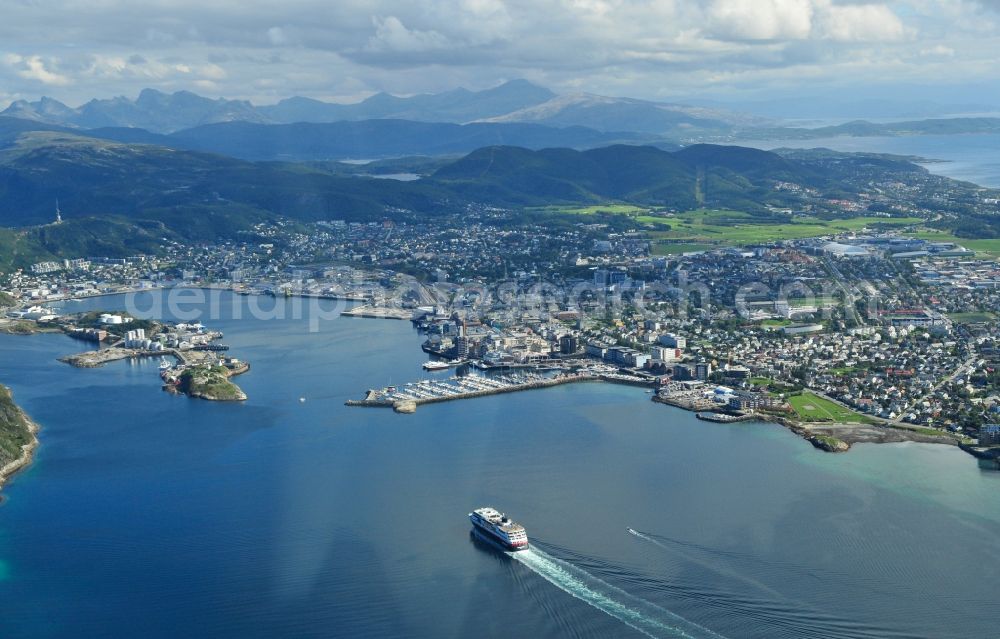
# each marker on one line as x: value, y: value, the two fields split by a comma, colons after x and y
x: 129, y: 197
x: 699, y: 175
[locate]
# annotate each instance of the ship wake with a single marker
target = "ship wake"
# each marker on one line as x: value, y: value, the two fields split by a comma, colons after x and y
x: 750, y: 596
x: 639, y: 614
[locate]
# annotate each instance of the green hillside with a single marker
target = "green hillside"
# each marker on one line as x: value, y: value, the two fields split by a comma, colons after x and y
x: 14, y: 429
x: 121, y: 199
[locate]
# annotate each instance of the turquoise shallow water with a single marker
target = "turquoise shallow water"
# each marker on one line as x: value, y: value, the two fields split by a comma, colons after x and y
x: 159, y: 516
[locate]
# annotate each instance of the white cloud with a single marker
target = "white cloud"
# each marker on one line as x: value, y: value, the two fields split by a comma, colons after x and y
x: 760, y: 19
x: 34, y: 67
x: 803, y: 19
x: 392, y: 35
x: 939, y: 51
x: 861, y: 23
x: 267, y: 50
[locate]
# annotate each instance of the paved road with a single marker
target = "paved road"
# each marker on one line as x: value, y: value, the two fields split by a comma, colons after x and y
x: 849, y: 308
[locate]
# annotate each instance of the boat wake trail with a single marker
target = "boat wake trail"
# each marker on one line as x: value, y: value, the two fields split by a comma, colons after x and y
x: 751, y: 597
x: 639, y: 614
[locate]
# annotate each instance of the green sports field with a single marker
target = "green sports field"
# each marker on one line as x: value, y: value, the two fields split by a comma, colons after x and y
x: 813, y: 408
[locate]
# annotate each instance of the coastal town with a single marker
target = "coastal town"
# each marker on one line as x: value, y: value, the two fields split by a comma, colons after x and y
x: 587, y: 318
x: 868, y: 334
x: 191, y: 360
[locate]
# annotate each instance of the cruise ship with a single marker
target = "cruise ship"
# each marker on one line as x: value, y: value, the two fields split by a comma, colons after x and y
x: 498, y: 527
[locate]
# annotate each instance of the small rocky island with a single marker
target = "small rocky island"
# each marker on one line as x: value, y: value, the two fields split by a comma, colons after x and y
x: 210, y: 382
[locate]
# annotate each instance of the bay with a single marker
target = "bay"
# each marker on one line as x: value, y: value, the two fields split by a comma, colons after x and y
x: 972, y: 157
x: 151, y: 515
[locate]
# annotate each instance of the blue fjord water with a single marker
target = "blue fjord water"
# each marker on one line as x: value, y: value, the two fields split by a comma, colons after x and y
x: 974, y: 158
x: 151, y: 515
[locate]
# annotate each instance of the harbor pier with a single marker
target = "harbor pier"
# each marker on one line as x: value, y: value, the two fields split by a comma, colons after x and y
x: 406, y: 398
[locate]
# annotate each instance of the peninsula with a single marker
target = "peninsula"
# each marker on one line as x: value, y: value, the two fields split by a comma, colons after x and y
x: 199, y: 371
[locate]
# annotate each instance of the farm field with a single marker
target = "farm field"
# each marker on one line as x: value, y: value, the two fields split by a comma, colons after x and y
x: 705, y: 228
x: 729, y: 228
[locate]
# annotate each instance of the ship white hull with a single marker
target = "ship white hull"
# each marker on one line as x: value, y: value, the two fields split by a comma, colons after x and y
x: 496, y: 536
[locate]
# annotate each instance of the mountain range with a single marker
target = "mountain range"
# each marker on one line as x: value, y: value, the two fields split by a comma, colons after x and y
x: 458, y: 105
x: 365, y: 139
x: 516, y: 113
x: 517, y: 101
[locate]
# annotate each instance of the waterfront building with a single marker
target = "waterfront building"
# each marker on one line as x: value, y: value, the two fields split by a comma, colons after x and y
x: 616, y: 354
x: 989, y: 435
x: 461, y: 347
x: 137, y: 339
x: 597, y: 350
x: 634, y: 359
x: 37, y: 313
x: 702, y: 370
x: 96, y: 334
x: 683, y: 372
x: 745, y: 400
x: 568, y: 344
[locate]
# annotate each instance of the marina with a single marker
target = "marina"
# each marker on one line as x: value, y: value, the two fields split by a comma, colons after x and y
x: 725, y: 418
x: 378, y: 312
x: 407, y: 397
x: 431, y: 391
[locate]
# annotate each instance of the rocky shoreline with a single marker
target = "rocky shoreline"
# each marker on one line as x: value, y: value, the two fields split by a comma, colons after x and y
x: 834, y: 437
x: 24, y: 327
x: 27, y: 450
x: 210, y: 383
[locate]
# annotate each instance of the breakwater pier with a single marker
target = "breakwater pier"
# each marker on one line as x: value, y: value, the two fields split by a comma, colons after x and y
x: 378, y: 312
x: 100, y: 357
x: 725, y: 418
x: 407, y: 397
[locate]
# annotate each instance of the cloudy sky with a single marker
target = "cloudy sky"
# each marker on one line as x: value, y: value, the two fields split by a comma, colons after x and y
x: 344, y: 50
